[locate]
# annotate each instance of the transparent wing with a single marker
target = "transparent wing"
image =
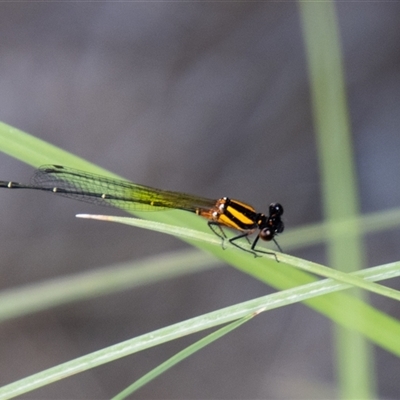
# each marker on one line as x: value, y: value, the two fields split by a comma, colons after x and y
x: 97, y: 189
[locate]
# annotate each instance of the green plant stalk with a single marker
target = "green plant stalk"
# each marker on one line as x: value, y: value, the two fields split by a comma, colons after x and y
x: 339, y: 183
x: 308, y: 266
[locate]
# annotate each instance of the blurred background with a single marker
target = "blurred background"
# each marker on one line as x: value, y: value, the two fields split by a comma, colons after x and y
x: 207, y: 98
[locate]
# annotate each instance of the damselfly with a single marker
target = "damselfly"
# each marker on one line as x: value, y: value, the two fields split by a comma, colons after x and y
x: 97, y: 189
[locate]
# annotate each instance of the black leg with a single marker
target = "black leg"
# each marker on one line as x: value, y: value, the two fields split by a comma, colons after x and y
x: 219, y: 232
x: 246, y: 235
x: 253, y: 247
x: 217, y: 229
x: 253, y: 250
x: 277, y: 245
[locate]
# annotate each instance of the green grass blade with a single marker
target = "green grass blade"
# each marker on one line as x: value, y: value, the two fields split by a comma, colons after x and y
x: 36, y: 152
x: 182, y: 355
x: 63, y: 290
x: 339, y: 182
x: 304, y: 265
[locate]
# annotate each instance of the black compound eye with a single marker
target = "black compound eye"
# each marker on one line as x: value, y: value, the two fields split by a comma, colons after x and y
x: 276, y: 209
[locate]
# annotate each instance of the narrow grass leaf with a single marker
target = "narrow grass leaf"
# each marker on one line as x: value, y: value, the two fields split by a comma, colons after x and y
x: 182, y: 355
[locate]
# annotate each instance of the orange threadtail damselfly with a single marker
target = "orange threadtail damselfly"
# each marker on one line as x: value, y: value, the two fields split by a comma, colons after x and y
x: 101, y: 190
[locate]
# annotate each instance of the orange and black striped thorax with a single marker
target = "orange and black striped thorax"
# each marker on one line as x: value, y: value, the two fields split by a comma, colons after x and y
x: 233, y: 214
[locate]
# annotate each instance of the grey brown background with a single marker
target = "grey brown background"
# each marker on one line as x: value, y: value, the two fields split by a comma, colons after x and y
x: 207, y: 98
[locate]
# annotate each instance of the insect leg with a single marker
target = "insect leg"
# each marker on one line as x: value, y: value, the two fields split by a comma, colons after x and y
x: 218, y: 231
x: 244, y: 235
x: 271, y: 253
